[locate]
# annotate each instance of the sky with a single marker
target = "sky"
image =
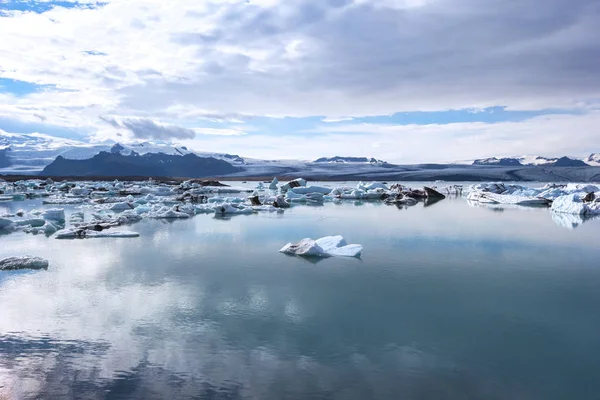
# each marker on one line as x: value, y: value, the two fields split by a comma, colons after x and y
x: 400, y: 80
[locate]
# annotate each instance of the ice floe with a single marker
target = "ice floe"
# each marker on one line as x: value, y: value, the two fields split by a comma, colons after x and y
x: 23, y: 262
x: 90, y: 234
x: 329, y: 246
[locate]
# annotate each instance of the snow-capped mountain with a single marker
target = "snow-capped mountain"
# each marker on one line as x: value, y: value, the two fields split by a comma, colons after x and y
x: 537, y: 161
x: 346, y: 160
x: 593, y: 159
x: 509, y: 162
x: 30, y: 153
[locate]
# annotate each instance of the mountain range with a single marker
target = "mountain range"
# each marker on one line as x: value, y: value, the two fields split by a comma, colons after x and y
x: 31, y: 154
x: 539, y: 161
x: 134, y: 164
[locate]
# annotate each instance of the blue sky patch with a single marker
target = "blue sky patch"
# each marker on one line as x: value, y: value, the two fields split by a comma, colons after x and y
x: 40, y: 7
x: 20, y: 88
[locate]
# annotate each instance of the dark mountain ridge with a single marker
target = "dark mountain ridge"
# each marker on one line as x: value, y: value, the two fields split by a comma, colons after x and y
x: 150, y: 164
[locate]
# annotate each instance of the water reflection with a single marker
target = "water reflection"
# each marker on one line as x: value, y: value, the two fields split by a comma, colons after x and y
x: 447, y: 302
x: 571, y: 221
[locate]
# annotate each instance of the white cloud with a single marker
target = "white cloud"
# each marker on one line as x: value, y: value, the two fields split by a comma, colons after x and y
x: 544, y: 135
x: 186, y: 61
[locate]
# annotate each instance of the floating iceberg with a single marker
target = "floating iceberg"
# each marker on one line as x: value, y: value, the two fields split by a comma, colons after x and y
x: 493, y: 198
x: 293, y: 184
x: 229, y: 209
x: 24, y: 262
x: 89, y: 234
x: 328, y: 246
x: 578, y: 203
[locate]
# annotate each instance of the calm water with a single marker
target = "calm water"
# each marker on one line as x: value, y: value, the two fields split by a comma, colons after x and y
x: 448, y: 301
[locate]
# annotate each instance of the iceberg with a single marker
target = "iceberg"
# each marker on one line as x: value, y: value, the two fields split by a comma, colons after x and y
x: 328, y: 246
x: 24, y: 262
x: 293, y: 184
x: 575, y: 204
x: 228, y: 209
x: 89, y: 234
x: 493, y: 198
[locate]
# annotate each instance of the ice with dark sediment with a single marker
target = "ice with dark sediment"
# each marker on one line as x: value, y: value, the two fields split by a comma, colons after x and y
x: 23, y: 262
x: 95, y: 207
x: 561, y: 198
x: 578, y: 203
x: 74, y: 233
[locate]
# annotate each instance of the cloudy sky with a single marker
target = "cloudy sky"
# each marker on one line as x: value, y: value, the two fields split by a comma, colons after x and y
x: 401, y: 80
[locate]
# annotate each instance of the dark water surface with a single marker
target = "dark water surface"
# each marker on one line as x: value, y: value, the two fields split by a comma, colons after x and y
x: 448, y: 302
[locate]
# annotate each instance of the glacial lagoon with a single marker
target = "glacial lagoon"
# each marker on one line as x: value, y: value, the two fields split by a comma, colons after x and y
x: 453, y: 300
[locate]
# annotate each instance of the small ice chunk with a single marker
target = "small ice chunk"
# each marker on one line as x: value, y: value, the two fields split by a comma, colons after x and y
x: 24, y: 262
x: 274, y: 183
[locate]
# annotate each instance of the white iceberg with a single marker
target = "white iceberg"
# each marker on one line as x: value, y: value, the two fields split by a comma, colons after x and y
x: 575, y: 204
x: 494, y: 198
x: 328, y: 246
x: 228, y: 209
x: 24, y: 262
